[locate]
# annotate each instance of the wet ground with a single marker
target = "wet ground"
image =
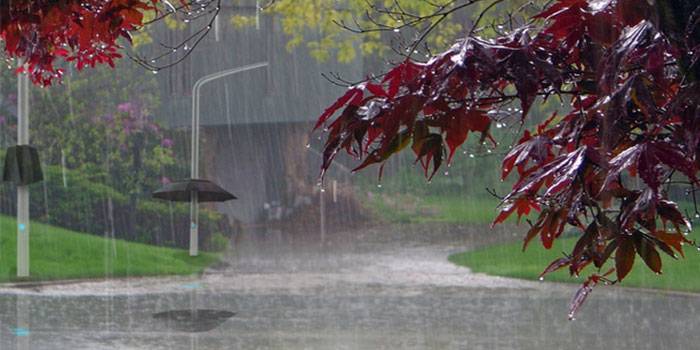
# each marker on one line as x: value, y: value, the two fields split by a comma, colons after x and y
x: 388, y: 287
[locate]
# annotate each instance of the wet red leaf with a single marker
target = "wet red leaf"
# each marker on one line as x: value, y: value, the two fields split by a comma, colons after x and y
x: 624, y: 258
x: 645, y: 249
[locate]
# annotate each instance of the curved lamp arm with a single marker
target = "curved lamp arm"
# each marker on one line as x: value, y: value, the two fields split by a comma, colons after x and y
x: 194, y: 173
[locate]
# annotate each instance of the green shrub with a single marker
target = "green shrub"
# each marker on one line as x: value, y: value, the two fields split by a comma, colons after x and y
x: 217, y: 242
x: 84, y: 204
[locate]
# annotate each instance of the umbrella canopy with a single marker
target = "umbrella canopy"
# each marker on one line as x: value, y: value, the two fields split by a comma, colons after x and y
x: 181, y: 191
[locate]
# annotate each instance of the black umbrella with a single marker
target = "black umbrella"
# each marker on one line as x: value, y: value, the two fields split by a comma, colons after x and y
x: 181, y: 191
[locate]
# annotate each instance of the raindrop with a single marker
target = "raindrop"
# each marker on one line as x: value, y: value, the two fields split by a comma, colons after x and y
x: 379, y: 185
x: 541, y: 278
x: 155, y: 71
x: 471, y: 155
x: 396, y: 30
x: 447, y: 173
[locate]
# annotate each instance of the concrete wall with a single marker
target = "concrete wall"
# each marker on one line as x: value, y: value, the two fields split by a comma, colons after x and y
x: 255, y: 125
x: 263, y: 164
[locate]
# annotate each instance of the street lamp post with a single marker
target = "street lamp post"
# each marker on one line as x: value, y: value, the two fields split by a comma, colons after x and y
x: 194, y: 171
x: 23, y: 190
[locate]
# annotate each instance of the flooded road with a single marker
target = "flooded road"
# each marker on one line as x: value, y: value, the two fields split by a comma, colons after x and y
x: 379, y: 288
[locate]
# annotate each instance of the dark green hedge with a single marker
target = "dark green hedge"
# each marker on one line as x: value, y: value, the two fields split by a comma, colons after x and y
x: 84, y: 204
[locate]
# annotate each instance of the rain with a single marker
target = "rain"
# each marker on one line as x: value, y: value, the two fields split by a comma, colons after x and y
x: 186, y: 210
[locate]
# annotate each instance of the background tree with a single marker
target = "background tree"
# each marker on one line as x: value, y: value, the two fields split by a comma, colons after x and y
x: 627, y: 73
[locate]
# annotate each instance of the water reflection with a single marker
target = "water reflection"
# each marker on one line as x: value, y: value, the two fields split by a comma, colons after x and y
x: 22, y: 325
x: 369, y: 289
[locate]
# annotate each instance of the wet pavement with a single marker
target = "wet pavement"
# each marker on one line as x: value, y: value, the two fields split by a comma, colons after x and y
x: 387, y: 287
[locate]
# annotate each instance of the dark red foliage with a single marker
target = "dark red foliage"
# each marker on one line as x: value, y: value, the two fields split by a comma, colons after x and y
x: 85, y: 32
x: 630, y: 73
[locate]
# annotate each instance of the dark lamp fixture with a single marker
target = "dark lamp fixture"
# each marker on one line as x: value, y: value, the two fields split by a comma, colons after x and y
x: 22, y: 165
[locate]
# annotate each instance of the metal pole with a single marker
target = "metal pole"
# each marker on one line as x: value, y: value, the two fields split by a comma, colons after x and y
x: 322, y: 210
x: 194, y: 223
x: 23, y: 191
x: 194, y: 166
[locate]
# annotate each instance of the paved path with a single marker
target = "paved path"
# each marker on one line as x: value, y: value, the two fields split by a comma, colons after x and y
x: 380, y: 288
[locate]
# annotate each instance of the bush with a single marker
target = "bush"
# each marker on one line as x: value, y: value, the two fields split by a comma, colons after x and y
x: 86, y: 205
x: 217, y: 242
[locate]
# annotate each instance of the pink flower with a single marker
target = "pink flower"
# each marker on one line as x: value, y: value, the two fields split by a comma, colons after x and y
x: 154, y: 127
x: 125, y: 107
x: 166, y: 142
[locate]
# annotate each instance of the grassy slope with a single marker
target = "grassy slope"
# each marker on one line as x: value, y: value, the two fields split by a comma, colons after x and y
x: 58, y: 253
x: 426, y: 209
x: 509, y: 260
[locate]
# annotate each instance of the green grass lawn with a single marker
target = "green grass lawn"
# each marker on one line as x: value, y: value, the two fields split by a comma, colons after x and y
x: 57, y: 253
x: 425, y: 209
x: 508, y: 260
